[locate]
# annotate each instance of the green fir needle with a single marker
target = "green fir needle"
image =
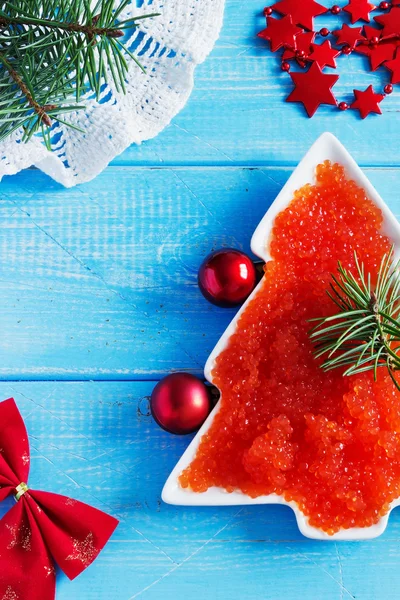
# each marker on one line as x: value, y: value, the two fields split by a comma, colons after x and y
x: 52, y: 52
x: 365, y: 333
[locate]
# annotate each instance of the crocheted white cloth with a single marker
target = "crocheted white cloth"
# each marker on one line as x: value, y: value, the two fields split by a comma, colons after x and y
x: 169, y: 47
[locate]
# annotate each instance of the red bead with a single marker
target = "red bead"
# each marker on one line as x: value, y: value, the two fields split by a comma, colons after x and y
x: 227, y: 277
x: 180, y: 403
x: 267, y: 11
x: 335, y: 10
x: 388, y: 89
x: 300, y: 54
x: 343, y: 106
x: 324, y: 31
x: 285, y: 66
x: 346, y: 50
x: 384, y: 5
x: 374, y: 40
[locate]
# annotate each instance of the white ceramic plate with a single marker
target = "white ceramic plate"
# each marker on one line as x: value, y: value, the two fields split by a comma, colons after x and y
x: 327, y: 147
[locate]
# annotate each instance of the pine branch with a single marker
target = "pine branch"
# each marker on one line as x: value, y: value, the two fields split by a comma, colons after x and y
x: 41, y: 111
x: 51, y: 50
x: 365, y: 334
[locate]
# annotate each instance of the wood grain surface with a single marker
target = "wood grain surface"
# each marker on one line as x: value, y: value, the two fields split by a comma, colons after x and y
x: 99, y: 300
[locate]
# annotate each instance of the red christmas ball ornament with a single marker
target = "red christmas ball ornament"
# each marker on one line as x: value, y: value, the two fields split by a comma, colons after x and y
x: 180, y: 403
x: 227, y: 277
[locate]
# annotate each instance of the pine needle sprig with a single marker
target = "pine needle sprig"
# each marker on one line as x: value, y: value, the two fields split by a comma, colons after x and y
x: 365, y: 334
x: 52, y: 52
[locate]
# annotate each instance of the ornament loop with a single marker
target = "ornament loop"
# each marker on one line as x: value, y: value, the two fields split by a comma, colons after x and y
x: 21, y: 489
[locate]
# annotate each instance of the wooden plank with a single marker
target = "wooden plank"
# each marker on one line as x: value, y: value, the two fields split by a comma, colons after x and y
x: 99, y: 282
x: 237, y: 112
x: 96, y: 442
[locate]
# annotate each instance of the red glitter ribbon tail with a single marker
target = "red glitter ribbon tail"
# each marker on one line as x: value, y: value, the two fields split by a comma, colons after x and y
x: 26, y: 567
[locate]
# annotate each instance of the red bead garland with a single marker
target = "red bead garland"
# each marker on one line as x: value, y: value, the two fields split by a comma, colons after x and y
x: 293, y: 31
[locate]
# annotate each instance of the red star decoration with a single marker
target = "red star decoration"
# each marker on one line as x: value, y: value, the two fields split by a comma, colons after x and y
x: 359, y: 10
x: 377, y: 54
x: 301, y: 11
x: 303, y: 43
x: 390, y: 22
x: 313, y: 88
x: 371, y: 32
x: 324, y: 55
x: 280, y: 32
x: 349, y: 36
x: 367, y: 102
x: 394, y: 68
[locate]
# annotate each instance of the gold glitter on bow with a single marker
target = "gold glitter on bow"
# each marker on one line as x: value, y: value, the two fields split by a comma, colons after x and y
x: 20, y: 537
x: 84, y: 551
x: 10, y: 594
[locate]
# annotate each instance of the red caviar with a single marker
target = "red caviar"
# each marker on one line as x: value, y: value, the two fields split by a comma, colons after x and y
x: 327, y: 442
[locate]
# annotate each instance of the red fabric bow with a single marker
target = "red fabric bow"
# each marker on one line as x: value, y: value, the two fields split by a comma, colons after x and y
x: 42, y: 528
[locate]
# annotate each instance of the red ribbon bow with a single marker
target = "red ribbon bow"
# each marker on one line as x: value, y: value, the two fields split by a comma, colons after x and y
x: 42, y: 528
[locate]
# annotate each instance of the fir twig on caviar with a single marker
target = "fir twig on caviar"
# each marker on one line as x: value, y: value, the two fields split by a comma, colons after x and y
x: 365, y: 334
x: 54, y: 51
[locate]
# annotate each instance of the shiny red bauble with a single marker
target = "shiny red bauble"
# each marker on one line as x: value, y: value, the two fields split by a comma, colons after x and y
x: 180, y: 403
x: 227, y: 277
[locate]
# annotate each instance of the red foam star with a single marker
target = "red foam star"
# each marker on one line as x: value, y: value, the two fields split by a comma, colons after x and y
x: 390, y: 22
x: 348, y: 36
x: 394, y: 68
x: 303, y: 43
x: 377, y: 54
x: 372, y: 32
x: 367, y: 102
x: 301, y: 11
x: 313, y: 88
x: 280, y: 32
x: 359, y: 10
x: 324, y: 55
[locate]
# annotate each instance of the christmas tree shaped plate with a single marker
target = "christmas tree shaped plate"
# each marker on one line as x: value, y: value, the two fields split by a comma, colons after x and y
x: 326, y: 148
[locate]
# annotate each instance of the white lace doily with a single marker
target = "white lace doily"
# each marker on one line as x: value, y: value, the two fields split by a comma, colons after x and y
x: 169, y: 47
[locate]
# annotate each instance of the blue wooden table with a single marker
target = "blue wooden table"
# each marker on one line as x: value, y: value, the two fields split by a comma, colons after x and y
x: 99, y: 301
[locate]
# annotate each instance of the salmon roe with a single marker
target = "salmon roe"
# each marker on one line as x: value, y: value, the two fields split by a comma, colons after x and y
x: 329, y: 443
